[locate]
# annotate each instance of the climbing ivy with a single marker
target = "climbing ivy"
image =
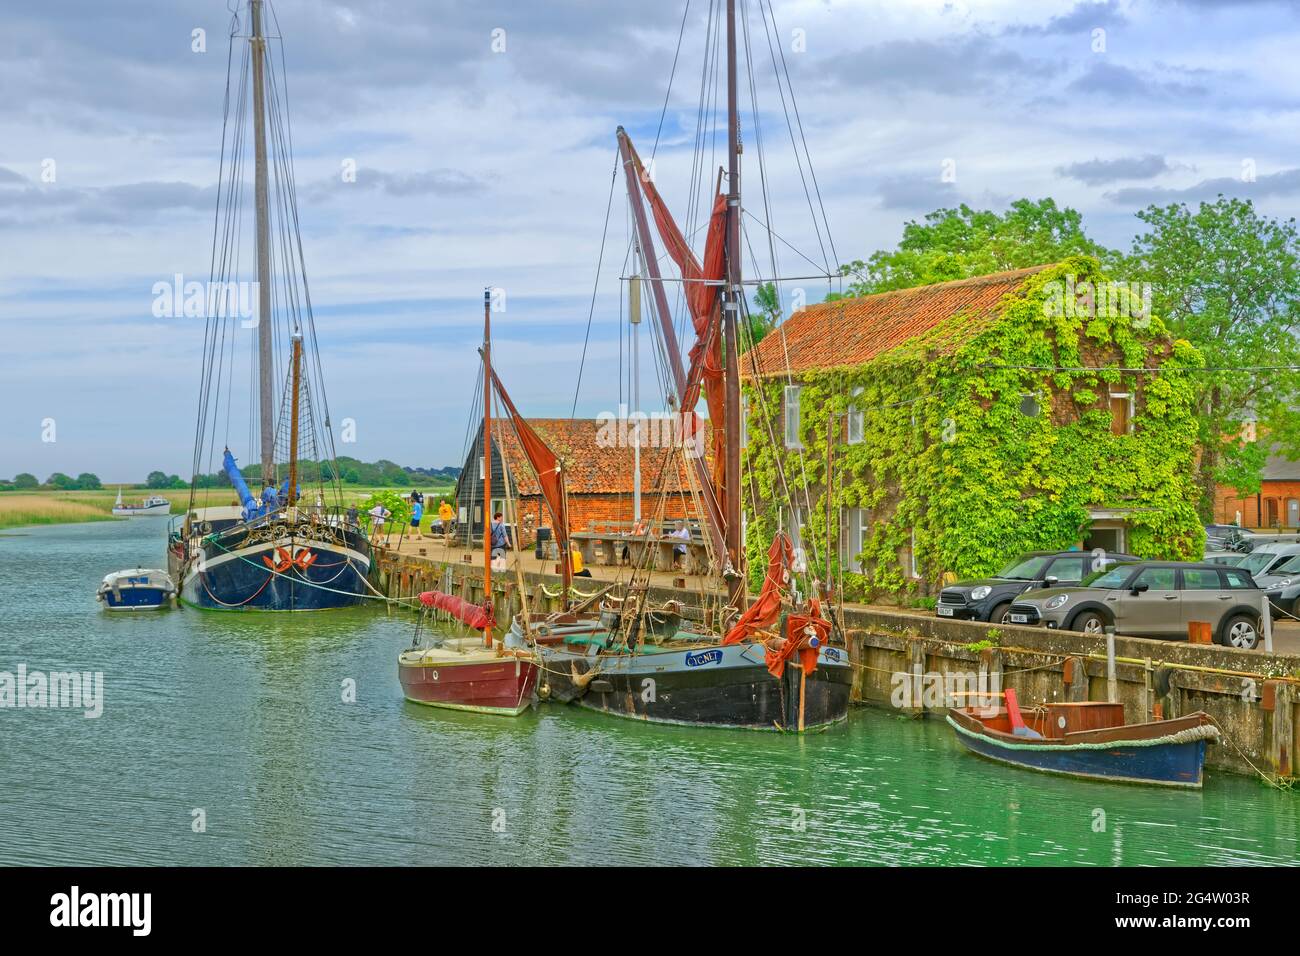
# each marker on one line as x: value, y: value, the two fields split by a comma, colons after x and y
x: 949, y: 455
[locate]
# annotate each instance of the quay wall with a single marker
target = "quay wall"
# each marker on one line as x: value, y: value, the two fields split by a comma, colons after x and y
x: 902, y: 659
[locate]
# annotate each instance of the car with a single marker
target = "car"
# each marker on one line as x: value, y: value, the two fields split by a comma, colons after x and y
x: 1281, y: 582
x: 1152, y: 599
x: 1226, y: 537
x: 1228, y: 558
x: 988, y: 599
x: 1264, y: 562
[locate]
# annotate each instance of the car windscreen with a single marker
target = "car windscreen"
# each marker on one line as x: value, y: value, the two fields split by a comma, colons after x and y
x: 1026, y: 568
x: 1113, y: 578
x: 1257, y: 561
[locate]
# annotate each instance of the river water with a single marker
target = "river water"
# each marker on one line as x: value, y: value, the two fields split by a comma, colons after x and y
x: 239, y: 721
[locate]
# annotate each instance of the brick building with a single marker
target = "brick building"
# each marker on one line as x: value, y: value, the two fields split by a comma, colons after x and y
x: 598, y: 468
x: 1275, y: 505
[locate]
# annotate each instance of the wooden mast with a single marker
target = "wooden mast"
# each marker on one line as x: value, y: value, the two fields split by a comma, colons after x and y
x: 265, y: 331
x: 732, y: 310
x: 487, y: 458
x: 713, y: 521
x: 292, y: 496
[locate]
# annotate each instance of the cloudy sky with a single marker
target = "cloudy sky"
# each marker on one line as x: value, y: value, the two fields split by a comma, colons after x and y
x: 482, y: 135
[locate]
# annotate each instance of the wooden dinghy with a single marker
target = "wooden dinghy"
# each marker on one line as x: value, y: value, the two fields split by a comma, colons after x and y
x: 1090, y: 740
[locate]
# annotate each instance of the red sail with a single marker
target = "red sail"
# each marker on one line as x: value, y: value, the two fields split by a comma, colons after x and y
x: 804, y: 634
x: 702, y: 299
x: 471, y: 615
x: 546, y: 466
x: 764, y: 612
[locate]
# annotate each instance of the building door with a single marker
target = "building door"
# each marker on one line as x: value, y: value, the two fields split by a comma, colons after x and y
x: 1292, y: 513
x: 1108, y: 536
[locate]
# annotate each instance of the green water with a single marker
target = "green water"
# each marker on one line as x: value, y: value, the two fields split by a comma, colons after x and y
x: 242, y: 716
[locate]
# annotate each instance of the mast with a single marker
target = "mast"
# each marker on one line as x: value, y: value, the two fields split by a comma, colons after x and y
x: 713, y: 520
x: 292, y: 497
x: 487, y: 458
x: 731, y: 313
x: 634, y: 318
x: 265, y: 341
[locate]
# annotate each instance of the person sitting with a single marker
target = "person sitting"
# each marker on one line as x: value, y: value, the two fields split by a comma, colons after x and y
x: 679, y: 551
x: 579, y: 571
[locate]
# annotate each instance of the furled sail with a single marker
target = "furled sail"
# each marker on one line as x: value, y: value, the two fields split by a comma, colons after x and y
x: 763, y: 613
x: 476, y: 616
x: 702, y: 288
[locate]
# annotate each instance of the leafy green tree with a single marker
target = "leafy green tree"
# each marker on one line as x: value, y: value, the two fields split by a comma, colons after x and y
x: 763, y: 317
x: 963, y: 242
x: 61, y: 481
x: 25, y: 480
x: 1228, y: 280
x: 156, y: 479
x: 87, y: 481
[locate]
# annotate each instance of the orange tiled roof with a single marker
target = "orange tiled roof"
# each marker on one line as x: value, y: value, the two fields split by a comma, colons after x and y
x: 855, y: 331
x: 590, y: 468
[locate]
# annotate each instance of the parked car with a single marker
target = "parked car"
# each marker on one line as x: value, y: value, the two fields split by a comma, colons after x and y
x: 1228, y: 558
x: 1281, y: 582
x: 1266, y: 559
x: 1152, y: 599
x: 1226, y: 537
x: 988, y: 599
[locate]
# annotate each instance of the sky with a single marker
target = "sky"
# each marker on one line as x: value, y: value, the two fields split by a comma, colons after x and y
x: 482, y: 137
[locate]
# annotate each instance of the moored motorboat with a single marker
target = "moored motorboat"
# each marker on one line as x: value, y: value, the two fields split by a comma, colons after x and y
x: 1088, y: 739
x: 153, y: 505
x: 138, y: 589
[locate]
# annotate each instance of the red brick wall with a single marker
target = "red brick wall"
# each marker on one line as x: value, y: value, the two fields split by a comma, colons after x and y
x: 1267, y: 510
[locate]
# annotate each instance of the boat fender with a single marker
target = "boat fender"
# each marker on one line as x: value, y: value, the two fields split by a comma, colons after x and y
x: 1162, y: 680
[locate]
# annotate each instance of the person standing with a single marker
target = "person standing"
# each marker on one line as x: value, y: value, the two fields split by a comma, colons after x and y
x: 417, y: 512
x: 445, y: 515
x: 500, y: 539
x: 378, y: 514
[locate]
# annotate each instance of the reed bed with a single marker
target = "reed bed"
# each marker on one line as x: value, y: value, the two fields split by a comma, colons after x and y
x: 18, y: 510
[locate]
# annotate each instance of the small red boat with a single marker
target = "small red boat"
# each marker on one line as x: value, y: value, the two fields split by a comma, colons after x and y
x: 462, y: 674
x: 476, y: 673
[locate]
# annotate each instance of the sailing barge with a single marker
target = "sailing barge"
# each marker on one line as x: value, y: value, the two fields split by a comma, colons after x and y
x: 281, y: 549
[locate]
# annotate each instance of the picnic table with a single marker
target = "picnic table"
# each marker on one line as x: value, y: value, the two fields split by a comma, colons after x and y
x: 610, y: 548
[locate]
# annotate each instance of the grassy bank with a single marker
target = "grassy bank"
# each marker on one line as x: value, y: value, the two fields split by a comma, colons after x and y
x: 20, y: 508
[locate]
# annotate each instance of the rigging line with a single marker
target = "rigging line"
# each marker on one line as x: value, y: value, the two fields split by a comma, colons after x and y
x: 772, y: 233
x: 671, y: 74
x: 802, y: 137
x: 595, y: 286
x: 790, y: 126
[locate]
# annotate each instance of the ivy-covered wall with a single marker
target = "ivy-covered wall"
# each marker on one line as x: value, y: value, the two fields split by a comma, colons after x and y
x: 949, y: 454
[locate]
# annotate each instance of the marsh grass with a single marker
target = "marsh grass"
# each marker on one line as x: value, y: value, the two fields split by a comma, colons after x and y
x: 17, y: 510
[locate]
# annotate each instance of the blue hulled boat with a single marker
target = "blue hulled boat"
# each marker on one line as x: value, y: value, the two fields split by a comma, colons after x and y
x: 141, y: 589
x: 1089, y: 739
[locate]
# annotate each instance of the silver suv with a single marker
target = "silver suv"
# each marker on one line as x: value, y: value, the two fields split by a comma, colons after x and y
x: 1152, y: 599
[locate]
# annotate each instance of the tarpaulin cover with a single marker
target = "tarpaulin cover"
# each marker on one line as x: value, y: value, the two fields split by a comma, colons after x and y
x: 472, y: 615
x: 764, y: 611
x: 798, y: 640
x: 702, y: 300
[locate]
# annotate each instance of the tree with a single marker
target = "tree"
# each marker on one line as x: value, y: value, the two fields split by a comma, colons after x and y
x: 157, y: 480
x: 963, y: 242
x: 26, y: 480
x: 87, y: 481
x: 766, y: 313
x: 61, y: 481
x: 1228, y: 280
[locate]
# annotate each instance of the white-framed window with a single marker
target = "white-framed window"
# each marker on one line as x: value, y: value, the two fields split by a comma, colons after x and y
x: 482, y: 472
x: 855, y: 523
x: 792, y: 417
x: 855, y: 422
x: 1030, y: 405
x: 915, y: 568
x: 1121, y: 413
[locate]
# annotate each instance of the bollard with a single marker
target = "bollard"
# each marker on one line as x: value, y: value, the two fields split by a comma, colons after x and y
x: 1267, y: 618
x: 1112, y: 687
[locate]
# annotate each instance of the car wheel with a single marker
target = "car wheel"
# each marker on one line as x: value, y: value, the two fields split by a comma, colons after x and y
x: 1089, y: 622
x: 1001, y: 613
x: 1241, y: 631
